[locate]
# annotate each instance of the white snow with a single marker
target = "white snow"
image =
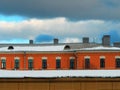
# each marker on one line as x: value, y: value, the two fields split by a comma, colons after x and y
x: 101, y: 48
x: 58, y: 73
x: 52, y: 48
x: 34, y: 48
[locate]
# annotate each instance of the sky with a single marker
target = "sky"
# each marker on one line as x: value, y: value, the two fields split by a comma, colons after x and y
x: 67, y: 20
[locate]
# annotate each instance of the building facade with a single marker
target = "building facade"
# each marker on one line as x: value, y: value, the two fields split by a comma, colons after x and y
x: 64, y: 60
x: 58, y: 56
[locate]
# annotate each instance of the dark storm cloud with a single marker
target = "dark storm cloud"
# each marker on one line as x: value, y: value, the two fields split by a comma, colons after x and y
x: 72, y: 9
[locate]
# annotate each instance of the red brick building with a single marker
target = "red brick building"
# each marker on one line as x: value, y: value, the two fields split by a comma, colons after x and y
x: 63, y: 56
x: 60, y: 66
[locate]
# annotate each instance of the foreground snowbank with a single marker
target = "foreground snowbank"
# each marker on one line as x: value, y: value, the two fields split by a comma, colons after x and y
x: 58, y: 73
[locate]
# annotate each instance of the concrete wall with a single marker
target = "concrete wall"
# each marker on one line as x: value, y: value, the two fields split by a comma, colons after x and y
x: 61, y: 84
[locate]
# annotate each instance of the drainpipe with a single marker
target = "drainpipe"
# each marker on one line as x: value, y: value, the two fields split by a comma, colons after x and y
x: 24, y: 60
x: 75, y: 54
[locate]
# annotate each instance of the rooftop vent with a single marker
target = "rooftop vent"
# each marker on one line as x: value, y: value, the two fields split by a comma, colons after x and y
x: 56, y: 41
x: 106, y: 40
x: 116, y: 44
x: 30, y: 41
x: 10, y: 47
x: 85, y: 39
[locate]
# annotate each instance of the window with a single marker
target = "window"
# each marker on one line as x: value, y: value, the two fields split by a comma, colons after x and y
x: 10, y: 47
x: 30, y: 64
x: 58, y: 64
x: 87, y: 63
x: 16, y: 63
x: 44, y: 64
x: 118, y: 62
x: 102, y: 63
x: 72, y: 64
x: 3, y: 64
x: 67, y: 47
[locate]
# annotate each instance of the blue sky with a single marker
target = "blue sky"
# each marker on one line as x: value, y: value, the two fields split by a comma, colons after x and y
x: 67, y: 20
x: 13, y: 18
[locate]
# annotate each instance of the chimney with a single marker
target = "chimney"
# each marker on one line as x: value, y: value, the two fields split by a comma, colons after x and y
x: 85, y: 39
x: 116, y: 44
x: 106, y: 40
x: 56, y: 41
x: 30, y: 41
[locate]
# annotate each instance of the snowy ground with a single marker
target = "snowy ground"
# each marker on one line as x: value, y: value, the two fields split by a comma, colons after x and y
x: 58, y: 73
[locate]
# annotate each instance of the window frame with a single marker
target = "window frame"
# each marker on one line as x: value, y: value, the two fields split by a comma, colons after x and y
x: 87, y: 63
x: 72, y: 63
x: 117, y: 62
x: 17, y: 63
x: 30, y: 63
x: 44, y: 63
x: 3, y: 63
x: 58, y: 63
x: 102, y: 62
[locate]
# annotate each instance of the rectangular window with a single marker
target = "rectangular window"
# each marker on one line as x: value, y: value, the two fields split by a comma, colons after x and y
x: 58, y: 64
x: 16, y: 63
x: 118, y: 62
x: 102, y: 63
x: 72, y: 64
x: 30, y: 64
x: 44, y: 64
x: 3, y: 64
x: 87, y: 63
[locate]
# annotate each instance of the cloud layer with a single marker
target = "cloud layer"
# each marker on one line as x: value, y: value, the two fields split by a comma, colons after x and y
x: 62, y: 28
x: 72, y: 9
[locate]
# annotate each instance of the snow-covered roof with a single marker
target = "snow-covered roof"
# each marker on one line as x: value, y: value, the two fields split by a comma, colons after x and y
x: 33, y: 48
x: 54, y: 48
x: 101, y: 48
x: 58, y: 73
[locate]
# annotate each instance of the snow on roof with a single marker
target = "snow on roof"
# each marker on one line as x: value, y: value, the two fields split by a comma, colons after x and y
x: 58, y: 73
x: 33, y: 48
x: 101, y: 48
x: 53, y: 48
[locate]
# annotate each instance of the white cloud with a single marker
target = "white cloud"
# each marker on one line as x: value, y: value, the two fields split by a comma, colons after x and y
x: 58, y: 27
x: 71, y: 40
